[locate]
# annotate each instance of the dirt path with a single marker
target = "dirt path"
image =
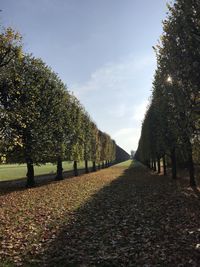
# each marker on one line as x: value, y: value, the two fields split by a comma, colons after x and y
x: 132, y: 218
x: 140, y: 219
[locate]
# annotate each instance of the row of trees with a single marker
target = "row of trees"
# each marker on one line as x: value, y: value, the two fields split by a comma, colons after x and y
x: 121, y: 154
x: 172, y: 122
x: 40, y: 120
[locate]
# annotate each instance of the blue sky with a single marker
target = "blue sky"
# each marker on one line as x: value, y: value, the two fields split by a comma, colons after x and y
x: 102, y: 50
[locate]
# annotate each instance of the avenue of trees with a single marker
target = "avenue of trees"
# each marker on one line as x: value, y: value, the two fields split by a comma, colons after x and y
x: 171, y: 127
x: 40, y: 120
x: 121, y: 154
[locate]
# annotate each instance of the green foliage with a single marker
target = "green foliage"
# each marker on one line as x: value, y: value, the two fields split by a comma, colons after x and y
x: 10, y: 46
x: 40, y: 120
x: 172, y: 120
x: 121, y: 155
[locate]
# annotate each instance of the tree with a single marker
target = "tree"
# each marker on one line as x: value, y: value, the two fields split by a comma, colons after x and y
x: 87, y: 136
x: 28, y: 100
x: 181, y: 49
x: 40, y: 121
x: 76, y: 145
x: 10, y: 46
x: 176, y: 92
x: 95, y: 146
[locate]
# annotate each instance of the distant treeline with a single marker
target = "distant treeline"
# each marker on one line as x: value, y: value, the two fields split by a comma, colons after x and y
x: 40, y: 120
x: 171, y: 128
x: 121, y: 154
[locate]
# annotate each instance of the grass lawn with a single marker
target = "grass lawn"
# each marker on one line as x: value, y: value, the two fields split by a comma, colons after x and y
x: 16, y: 171
x: 125, y: 164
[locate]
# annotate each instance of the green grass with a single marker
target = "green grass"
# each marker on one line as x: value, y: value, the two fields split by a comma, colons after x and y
x: 127, y: 163
x: 10, y: 172
x: 16, y: 171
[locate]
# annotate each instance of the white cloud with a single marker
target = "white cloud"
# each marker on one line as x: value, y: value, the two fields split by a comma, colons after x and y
x: 114, y: 76
x: 119, y: 112
x: 116, y: 97
x: 139, y: 111
x: 134, y: 113
x: 127, y: 138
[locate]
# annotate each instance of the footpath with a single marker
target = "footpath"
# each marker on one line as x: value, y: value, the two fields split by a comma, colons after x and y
x: 140, y: 219
x: 120, y: 216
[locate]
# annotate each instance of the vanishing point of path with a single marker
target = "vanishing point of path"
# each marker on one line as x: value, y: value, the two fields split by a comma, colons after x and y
x: 130, y: 217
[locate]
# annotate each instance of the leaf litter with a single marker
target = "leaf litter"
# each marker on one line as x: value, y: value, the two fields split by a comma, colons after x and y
x: 114, y: 217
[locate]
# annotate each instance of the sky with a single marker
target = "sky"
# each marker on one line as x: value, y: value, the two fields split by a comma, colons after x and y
x: 101, y: 49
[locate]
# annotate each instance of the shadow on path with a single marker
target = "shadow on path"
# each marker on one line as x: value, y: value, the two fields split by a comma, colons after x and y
x: 140, y: 219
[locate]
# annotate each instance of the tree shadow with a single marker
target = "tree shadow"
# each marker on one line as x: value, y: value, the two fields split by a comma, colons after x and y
x: 139, y: 219
x: 7, y: 187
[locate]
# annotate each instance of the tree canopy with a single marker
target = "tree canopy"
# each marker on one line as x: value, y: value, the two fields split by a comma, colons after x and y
x: 171, y: 124
x: 41, y: 121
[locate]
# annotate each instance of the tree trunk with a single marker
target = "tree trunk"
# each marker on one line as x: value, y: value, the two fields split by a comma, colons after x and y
x: 59, y: 175
x: 86, y: 167
x: 191, y: 171
x: 94, y: 166
x: 99, y: 166
x: 151, y: 164
x: 154, y: 165
x: 75, y: 168
x: 158, y: 161
x: 173, y: 161
x: 103, y: 165
x: 164, y: 166
x: 148, y: 164
x: 191, y: 165
x: 30, y: 173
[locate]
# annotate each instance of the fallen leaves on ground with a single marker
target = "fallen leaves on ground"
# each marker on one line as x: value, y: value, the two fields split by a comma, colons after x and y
x: 114, y: 217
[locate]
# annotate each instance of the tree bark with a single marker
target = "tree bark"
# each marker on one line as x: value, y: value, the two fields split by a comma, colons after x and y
x: 191, y: 171
x: 173, y: 161
x: 59, y: 175
x: 94, y: 166
x: 154, y: 165
x: 30, y: 173
x: 75, y: 168
x: 86, y: 167
x: 158, y: 161
x: 151, y: 164
x: 191, y: 165
x: 164, y: 166
x: 148, y: 164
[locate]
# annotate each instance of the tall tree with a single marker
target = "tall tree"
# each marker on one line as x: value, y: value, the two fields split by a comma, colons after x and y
x: 28, y: 95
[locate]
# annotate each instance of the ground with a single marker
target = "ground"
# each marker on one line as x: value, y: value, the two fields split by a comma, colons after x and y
x: 120, y: 216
